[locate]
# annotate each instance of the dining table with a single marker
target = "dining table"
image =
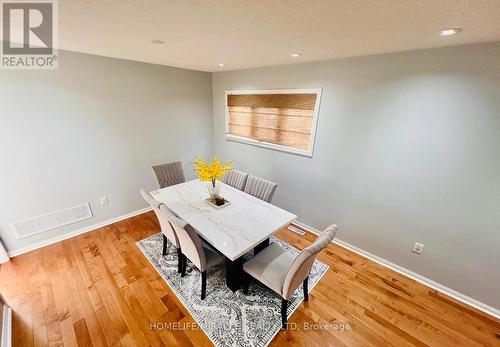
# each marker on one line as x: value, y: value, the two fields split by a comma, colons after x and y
x: 244, y: 225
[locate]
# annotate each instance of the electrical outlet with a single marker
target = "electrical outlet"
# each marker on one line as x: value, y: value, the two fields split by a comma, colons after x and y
x: 418, y: 248
x: 104, y: 200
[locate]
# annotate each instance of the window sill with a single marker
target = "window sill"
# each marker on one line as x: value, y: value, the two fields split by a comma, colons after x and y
x: 268, y: 145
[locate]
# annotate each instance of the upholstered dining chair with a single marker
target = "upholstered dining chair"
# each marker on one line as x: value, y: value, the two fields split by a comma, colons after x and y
x: 201, y: 254
x: 166, y: 228
x: 282, y: 272
x: 235, y: 178
x: 169, y: 174
x: 260, y: 188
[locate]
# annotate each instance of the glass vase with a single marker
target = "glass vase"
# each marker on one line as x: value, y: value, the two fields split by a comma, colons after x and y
x: 213, y: 189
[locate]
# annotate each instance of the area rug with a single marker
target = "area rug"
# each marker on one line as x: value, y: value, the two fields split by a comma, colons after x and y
x: 227, y: 318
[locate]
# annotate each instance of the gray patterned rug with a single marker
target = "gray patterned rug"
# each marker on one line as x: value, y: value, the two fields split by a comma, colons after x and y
x: 228, y: 319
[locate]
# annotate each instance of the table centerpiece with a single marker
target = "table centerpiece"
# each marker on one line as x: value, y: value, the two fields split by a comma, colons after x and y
x: 212, y: 173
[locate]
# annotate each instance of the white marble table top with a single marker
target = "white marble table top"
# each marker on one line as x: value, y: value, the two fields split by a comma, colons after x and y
x: 234, y: 229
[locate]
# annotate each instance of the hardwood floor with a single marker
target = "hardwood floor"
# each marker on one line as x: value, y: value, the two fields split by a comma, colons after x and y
x: 98, y: 289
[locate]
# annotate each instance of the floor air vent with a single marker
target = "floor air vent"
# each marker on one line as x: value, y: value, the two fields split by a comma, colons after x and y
x: 53, y: 220
x: 296, y: 230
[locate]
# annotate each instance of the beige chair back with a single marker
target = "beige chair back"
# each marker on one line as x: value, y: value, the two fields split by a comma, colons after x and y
x: 235, y: 178
x: 260, y: 188
x: 301, y: 266
x: 166, y: 228
x: 189, y: 240
x: 169, y: 174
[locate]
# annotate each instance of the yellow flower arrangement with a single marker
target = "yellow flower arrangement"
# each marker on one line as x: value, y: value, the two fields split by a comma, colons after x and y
x: 210, y: 172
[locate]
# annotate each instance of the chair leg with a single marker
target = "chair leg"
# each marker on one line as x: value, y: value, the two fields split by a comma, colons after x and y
x: 203, y: 284
x: 306, y: 290
x: 184, y: 262
x: 179, y: 260
x: 165, y: 245
x: 284, y: 306
x: 245, y: 288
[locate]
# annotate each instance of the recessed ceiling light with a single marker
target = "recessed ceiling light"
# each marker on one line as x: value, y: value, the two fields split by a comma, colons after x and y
x: 295, y: 55
x: 221, y: 65
x: 157, y: 42
x: 449, y: 31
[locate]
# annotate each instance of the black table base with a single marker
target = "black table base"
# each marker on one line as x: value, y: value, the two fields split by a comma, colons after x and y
x: 234, y: 274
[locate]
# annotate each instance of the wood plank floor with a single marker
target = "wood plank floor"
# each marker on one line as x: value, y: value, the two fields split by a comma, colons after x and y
x: 98, y: 289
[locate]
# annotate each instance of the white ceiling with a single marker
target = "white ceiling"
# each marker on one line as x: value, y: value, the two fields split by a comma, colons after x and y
x: 251, y: 33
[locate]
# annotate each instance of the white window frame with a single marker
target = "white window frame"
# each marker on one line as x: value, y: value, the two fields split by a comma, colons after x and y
x: 304, y: 152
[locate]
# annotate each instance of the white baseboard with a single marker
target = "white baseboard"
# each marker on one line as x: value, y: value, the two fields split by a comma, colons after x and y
x: 413, y: 275
x: 74, y: 233
x: 6, y: 328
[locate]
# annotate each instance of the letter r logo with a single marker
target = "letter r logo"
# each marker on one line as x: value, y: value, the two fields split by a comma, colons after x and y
x: 27, y: 27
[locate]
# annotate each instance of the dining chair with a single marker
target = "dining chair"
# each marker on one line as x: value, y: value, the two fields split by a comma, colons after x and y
x: 198, y: 251
x: 282, y: 272
x: 169, y: 174
x: 235, y: 178
x: 167, y: 230
x: 260, y: 188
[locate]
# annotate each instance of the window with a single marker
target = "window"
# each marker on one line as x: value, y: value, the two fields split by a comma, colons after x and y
x: 278, y: 119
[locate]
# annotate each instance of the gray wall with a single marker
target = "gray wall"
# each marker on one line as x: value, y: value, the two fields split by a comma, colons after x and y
x: 93, y: 128
x: 407, y: 149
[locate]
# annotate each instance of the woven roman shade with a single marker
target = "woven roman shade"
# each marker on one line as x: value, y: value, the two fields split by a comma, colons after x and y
x: 283, y: 119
